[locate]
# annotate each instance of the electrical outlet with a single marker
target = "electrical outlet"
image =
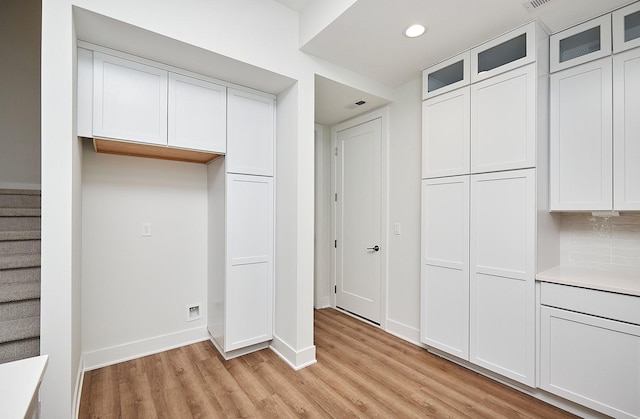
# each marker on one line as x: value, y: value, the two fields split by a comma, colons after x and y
x: 193, y: 312
x: 146, y: 230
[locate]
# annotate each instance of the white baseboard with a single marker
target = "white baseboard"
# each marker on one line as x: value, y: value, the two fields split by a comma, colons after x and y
x: 404, y: 332
x: 20, y: 185
x: 78, y: 393
x: 132, y: 350
x: 296, y: 359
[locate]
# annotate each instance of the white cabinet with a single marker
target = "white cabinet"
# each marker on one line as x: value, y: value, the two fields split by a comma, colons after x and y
x: 581, y: 137
x: 446, y: 134
x: 250, y: 133
x: 197, y: 114
x: 626, y: 130
x: 587, y: 353
x: 445, y: 265
x: 626, y: 28
x: 503, y: 121
x: 446, y: 76
x: 502, y: 270
x: 582, y: 43
x: 129, y: 100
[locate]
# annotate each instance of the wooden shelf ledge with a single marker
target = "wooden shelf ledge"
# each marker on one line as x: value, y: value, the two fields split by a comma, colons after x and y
x: 122, y: 148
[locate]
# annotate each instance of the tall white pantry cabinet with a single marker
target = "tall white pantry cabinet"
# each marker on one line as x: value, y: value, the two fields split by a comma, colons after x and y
x: 484, y: 202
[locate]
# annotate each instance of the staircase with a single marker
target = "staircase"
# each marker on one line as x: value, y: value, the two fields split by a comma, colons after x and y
x: 19, y: 274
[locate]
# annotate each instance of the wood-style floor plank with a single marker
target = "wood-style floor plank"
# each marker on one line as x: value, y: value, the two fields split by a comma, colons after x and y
x: 361, y: 372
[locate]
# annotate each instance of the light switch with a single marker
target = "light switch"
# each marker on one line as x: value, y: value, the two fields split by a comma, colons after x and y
x: 146, y: 230
x: 396, y: 229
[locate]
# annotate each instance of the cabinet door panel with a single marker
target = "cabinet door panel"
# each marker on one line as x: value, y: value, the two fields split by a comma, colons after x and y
x: 591, y: 361
x: 580, y: 44
x: 626, y: 28
x: 129, y: 100
x: 626, y: 130
x: 250, y: 133
x: 197, y: 114
x: 446, y: 134
x: 581, y: 138
x: 503, y: 131
x: 445, y: 265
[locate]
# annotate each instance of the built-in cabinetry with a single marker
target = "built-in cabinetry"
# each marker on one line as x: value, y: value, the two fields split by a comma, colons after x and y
x: 595, y: 136
x: 481, y: 168
x: 589, y: 345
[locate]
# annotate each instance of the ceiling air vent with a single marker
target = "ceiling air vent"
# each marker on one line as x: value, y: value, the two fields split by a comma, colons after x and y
x: 534, y: 4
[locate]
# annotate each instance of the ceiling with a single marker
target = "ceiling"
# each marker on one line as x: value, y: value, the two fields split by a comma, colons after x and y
x: 368, y: 37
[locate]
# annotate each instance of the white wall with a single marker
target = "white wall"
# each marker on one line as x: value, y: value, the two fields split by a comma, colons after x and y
x: 405, y: 144
x: 138, y: 288
x: 20, y: 97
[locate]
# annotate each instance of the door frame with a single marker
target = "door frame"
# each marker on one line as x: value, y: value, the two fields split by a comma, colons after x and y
x: 383, y: 115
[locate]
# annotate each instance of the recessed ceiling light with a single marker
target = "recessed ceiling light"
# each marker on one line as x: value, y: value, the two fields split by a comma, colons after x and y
x: 414, y: 31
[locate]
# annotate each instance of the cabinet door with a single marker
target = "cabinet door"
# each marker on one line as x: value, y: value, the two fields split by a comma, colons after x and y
x: 502, y: 263
x: 129, y: 100
x: 249, y: 283
x: 591, y: 361
x: 446, y: 76
x: 503, y: 115
x: 197, y: 114
x: 626, y: 28
x: 446, y: 134
x: 445, y: 265
x: 626, y: 130
x: 250, y: 133
x: 581, y: 138
x: 582, y: 43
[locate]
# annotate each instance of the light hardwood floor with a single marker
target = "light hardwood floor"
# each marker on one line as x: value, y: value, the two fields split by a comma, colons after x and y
x: 361, y: 372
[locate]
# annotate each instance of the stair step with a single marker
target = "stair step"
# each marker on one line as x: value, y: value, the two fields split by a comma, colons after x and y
x: 19, y: 261
x: 20, y: 349
x: 10, y: 276
x: 35, y: 192
x: 25, y: 328
x: 20, y: 235
x: 19, y: 200
x: 20, y: 247
x: 19, y: 291
x: 19, y: 223
x: 20, y: 212
x: 19, y: 309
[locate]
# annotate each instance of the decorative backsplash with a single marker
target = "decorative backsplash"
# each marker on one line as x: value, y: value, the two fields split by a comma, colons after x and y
x: 601, y: 243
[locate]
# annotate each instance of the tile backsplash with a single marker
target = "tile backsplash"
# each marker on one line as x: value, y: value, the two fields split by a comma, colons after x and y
x: 601, y: 243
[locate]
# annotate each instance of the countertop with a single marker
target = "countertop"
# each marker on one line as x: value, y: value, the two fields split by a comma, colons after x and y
x: 619, y: 282
x: 19, y: 383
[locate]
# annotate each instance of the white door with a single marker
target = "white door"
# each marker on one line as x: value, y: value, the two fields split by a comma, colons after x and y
x: 358, y: 216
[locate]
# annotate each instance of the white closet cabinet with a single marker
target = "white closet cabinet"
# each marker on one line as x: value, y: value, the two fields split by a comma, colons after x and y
x: 446, y: 134
x: 626, y: 130
x: 445, y: 265
x: 581, y: 137
x: 588, y: 41
x: 129, y: 100
x: 446, y: 76
x: 197, y: 114
x: 503, y: 118
x: 502, y: 273
x: 626, y: 28
x: 250, y: 131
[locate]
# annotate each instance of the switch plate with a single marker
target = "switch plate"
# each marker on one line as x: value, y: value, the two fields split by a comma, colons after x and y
x: 396, y: 229
x: 146, y: 230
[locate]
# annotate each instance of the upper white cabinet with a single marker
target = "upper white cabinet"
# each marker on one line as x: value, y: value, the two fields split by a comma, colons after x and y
x: 581, y: 138
x: 250, y: 133
x: 503, y: 121
x: 626, y: 130
x: 449, y: 75
x: 446, y: 135
x: 626, y: 27
x: 129, y: 100
x: 509, y: 51
x: 197, y: 114
x: 582, y: 43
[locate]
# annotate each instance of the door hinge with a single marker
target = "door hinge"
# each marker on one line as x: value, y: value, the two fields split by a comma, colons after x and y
x: 335, y: 243
x: 336, y: 197
x: 335, y: 289
x: 335, y: 151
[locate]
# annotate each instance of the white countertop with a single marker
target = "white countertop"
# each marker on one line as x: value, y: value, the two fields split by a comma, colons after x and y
x: 620, y: 282
x: 19, y: 382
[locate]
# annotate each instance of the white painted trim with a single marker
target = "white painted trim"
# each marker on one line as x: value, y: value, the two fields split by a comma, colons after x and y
x: 227, y: 355
x: 296, y: 359
x: 383, y: 114
x: 77, y: 395
x: 140, y: 348
x: 20, y: 185
x: 404, y: 332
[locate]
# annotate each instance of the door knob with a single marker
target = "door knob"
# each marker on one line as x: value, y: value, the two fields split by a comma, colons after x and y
x: 374, y: 248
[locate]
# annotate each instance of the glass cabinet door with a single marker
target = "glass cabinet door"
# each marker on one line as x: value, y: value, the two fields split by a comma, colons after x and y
x: 626, y: 28
x: 582, y: 43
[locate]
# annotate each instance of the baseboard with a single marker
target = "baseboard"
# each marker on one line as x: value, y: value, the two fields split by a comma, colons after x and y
x: 404, y: 332
x: 20, y: 185
x: 296, y: 359
x: 78, y: 393
x: 132, y: 350
x: 238, y: 352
